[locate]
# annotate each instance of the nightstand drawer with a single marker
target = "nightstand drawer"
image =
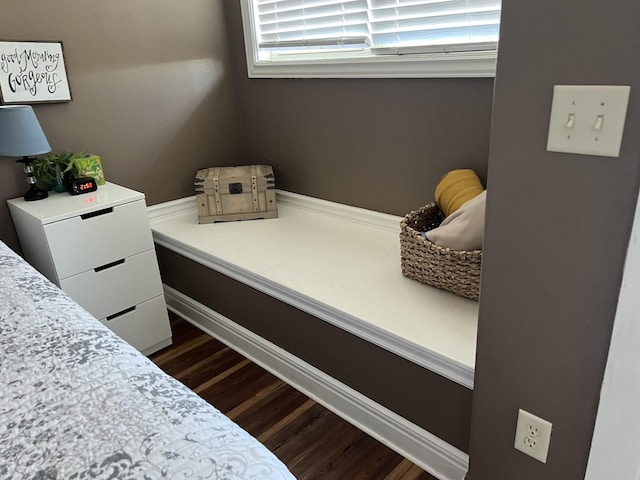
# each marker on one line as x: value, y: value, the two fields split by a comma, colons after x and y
x: 116, y: 286
x: 86, y: 241
x: 144, y: 325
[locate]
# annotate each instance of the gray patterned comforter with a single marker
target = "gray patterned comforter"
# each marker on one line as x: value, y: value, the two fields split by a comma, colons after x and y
x: 76, y: 402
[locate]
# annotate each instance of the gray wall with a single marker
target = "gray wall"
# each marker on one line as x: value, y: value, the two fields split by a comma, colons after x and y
x: 556, y: 235
x: 380, y: 144
x: 151, y: 85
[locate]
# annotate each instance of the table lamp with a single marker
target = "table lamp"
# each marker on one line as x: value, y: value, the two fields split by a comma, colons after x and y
x: 22, y: 136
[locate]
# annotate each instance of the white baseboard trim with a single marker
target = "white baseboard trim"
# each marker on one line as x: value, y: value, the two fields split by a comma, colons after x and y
x: 423, y: 448
x: 172, y: 207
x: 345, y: 212
x: 339, y: 210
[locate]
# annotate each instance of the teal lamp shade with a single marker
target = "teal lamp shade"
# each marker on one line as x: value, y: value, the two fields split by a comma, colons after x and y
x: 21, y: 136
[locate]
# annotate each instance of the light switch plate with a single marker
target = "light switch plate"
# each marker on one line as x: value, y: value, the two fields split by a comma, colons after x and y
x: 588, y: 119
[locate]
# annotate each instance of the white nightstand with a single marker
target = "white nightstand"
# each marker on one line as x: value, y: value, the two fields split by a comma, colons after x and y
x: 98, y: 248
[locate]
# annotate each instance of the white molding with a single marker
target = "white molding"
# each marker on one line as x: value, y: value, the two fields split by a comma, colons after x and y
x: 441, y: 65
x: 339, y: 210
x: 431, y: 360
x: 418, y: 445
x: 172, y: 207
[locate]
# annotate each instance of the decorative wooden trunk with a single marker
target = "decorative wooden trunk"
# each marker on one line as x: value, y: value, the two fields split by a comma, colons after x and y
x: 236, y: 193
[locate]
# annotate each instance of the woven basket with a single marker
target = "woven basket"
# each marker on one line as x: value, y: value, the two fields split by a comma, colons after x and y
x: 457, y: 271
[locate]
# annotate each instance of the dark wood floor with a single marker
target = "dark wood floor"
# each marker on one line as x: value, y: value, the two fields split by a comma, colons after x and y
x: 312, y: 441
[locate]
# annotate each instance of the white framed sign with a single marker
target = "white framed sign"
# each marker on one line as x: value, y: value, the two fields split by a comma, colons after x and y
x: 33, y: 72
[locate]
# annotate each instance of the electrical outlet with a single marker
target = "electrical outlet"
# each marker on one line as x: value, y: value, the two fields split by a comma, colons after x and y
x: 533, y: 435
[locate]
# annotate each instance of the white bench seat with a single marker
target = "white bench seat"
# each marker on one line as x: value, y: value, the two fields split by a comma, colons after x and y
x: 338, y: 263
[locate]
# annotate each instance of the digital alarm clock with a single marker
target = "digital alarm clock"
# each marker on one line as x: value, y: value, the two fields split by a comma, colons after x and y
x: 82, y: 185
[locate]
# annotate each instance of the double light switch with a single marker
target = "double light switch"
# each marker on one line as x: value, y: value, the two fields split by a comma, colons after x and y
x: 588, y: 119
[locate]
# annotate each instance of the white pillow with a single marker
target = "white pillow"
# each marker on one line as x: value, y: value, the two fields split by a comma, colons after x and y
x: 464, y: 228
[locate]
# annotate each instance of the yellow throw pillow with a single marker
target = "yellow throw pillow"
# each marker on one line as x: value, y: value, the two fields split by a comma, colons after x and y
x: 455, y: 188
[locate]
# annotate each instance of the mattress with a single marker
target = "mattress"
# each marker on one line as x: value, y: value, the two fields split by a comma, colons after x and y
x: 78, y: 402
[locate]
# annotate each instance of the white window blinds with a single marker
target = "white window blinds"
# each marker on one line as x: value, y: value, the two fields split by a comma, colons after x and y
x: 380, y: 26
x: 415, y: 26
x: 290, y: 24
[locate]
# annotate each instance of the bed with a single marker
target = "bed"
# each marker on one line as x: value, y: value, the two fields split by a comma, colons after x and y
x: 78, y: 402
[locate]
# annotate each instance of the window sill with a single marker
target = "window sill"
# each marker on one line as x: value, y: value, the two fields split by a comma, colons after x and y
x: 441, y: 65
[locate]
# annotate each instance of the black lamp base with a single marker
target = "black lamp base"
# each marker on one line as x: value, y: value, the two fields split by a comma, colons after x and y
x: 35, y: 193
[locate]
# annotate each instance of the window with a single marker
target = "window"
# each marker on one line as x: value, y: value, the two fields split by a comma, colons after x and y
x: 371, y: 38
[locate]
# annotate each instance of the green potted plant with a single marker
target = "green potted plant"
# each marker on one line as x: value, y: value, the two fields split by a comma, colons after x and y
x: 55, y: 170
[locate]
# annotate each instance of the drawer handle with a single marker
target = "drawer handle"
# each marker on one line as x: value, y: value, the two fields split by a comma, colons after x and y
x: 119, y: 314
x: 97, y: 213
x: 108, y: 265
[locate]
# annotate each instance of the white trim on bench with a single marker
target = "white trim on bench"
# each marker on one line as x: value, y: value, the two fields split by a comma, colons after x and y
x: 448, y: 349
x: 338, y: 210
x: 418, y: 445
